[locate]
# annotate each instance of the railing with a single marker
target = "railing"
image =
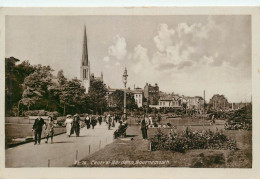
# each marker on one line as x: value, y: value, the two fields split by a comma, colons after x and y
x: 72, y: 158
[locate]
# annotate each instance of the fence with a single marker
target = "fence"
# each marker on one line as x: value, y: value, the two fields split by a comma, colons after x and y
x: 75, y: 155
x: 23, y: 120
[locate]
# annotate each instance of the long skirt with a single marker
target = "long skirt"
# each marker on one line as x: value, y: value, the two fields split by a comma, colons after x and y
x: 68, y: 129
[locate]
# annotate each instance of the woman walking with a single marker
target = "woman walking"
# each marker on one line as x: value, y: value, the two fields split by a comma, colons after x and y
x: 68, y: 123
x: 49, y: 129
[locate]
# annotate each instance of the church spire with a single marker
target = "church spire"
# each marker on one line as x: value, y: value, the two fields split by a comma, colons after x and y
x: 85, y: 49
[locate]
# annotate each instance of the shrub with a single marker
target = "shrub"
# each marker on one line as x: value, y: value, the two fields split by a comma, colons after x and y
x: 188, y: 140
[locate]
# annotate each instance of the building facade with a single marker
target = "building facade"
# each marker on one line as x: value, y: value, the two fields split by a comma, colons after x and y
x: 138, y: 96
x: 169, y: 102
x: 151, y: 93
x: 196, y: 102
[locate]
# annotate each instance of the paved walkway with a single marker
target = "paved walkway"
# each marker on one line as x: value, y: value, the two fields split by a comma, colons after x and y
x: 62, y: 152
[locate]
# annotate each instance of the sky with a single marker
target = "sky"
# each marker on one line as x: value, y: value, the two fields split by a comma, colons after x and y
x: 183, y: 54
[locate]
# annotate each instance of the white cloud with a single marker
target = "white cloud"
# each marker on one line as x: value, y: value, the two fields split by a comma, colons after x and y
x: 118, y: 49
x: 140, y: 59
x: 117, y: 64
x: 106, y: 59
x: 182, y: 46
x: 164, y: 37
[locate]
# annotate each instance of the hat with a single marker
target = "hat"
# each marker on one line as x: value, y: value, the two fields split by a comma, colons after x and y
x: 68, y: 115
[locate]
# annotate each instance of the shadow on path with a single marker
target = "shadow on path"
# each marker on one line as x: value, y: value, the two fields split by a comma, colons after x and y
x: 62, y: 142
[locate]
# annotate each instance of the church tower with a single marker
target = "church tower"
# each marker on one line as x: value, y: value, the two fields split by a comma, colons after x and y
x: 85, y: 66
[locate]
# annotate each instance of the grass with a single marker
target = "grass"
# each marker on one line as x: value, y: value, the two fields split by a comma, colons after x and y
x: 130, y: 151
x: 13, y: 131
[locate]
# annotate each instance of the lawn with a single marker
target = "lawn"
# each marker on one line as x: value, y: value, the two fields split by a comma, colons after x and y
x: 14, y: 131
x: 133, y: 151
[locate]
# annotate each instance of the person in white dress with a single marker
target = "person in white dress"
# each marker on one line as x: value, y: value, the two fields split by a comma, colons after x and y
x: 68, y: 123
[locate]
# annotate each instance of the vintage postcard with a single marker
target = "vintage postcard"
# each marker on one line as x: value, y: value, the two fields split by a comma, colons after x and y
x: 159, y: 91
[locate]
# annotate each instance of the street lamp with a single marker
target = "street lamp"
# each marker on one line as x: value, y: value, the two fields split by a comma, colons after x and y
x: 125, y: 81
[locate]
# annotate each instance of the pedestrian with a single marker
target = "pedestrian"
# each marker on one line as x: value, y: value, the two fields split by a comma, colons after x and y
x: 87, y: 121
x: 49, y: 129
x: 150, y: 120
x: 144, y: 127
x: 99, y: 119
x: 72, y: 126
x: 113, y: 121
x: 213, y: 119
x: 76, y: 124
x: 109, y: 120
x: 93, y: 121
x: 37, y: 128
x: 68, y: 123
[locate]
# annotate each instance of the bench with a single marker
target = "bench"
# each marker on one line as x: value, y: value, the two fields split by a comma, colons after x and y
x: 121, y: 131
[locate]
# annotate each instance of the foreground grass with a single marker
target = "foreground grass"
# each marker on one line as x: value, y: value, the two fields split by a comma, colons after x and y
x: 133, y: 151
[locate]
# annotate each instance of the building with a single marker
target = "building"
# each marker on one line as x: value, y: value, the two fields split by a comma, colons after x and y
x: 169, y: 102
x: 138, y: 95
x: 85, y: 76
x: 151, y: 93
x: 196, y: 102
x: 93, y: 77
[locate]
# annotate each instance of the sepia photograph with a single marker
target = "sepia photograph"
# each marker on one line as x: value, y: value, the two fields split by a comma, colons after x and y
x: 128, y: 90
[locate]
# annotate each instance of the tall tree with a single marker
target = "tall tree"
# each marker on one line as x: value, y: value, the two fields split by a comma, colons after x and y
x: 117, y: 98
x: 36, y: 87
x: 14, y: 77
x: 97, y: 96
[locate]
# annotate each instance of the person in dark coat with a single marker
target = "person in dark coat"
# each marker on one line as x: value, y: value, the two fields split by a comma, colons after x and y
x: 144, y: 127
x: 76, y: 124
x: 37, y: 128
x: 93, y: 121
x: 100, y: 119
x: 87, y: 121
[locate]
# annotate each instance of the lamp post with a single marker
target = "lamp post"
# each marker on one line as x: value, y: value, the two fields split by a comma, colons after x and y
x: 125, y: 81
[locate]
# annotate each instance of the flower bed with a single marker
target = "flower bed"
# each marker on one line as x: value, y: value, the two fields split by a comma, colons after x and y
x: 188, y: 140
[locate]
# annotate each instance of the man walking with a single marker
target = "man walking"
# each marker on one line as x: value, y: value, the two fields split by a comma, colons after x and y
x: 37, y: 127
x: 144, y: 127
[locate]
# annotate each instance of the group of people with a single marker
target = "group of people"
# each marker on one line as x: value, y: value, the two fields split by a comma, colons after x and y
x: 72, y: 125
x: 92, y: 120
x: 38, y: 125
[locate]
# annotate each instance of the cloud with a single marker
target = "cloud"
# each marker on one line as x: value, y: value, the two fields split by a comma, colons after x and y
x: 118, y: 49
x: 185, y: 45
x: 117, y: 64
x: 140, y: 59
x: 166, y: 66
x: 164, y: 37
x: 185, y: 64
x: 106, y: 59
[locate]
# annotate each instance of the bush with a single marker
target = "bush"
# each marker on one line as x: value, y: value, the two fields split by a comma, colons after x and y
x: 35, y: 113
x: 188, y: 140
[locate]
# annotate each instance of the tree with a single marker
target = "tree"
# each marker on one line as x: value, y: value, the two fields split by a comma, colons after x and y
x: 117, y: 98
x: 14, y: 77
x: 72, y: 95
x: 97, y: 96
x: 36, y: 87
